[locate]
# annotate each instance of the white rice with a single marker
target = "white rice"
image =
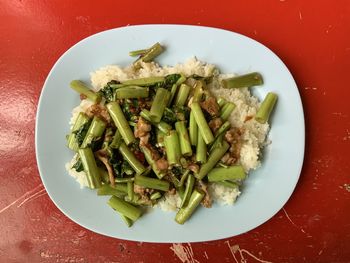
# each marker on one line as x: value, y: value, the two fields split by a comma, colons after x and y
x: 80, y: 177
x: 169, y: 202
x: 254, y: 133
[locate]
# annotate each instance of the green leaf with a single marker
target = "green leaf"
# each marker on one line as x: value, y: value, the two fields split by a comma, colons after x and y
x: 78, y: 166
x: 108, y: 92
x: 81, y: 132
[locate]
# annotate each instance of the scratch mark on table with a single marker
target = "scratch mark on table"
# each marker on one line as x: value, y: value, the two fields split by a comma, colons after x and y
x: 340, y: 114
x: 310, y: 88
x: 206, y: 255
x: 232, y: 250
x: 300, y: 15
x: 54, y: 218
x: 82, y: 19
x: 347, y: 187
x: 301, y: 229
x: 60, y: 258
x: 347, y: 137
x: 235, y: 248
x: 22, y: 196
x: 184, y: 253
x: 321, y: 251
x: 33, y: 197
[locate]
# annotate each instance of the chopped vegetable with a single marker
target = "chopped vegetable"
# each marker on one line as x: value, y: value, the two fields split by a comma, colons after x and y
x: 145, y: 139
x: 248, y: 80
x: 82, y: 89
x: 266, y: 108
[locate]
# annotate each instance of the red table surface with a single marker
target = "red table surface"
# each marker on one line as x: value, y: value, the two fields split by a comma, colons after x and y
x: 311, y: 37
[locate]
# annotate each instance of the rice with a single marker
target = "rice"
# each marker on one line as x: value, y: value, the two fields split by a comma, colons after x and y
x: 254, y: 133
x: 80, y: 177
x: 169, y: 202
x: 82, y: 107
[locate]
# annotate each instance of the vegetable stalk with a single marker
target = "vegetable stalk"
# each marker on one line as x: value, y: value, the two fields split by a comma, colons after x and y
x: 150, y: 54
x: 266, y: 107
x: 247, y: 80
x: 124, y: 208
x: 131, y: 159
x: 188, y: 190
x: 202, y: 123
x: 148, y: 156
x: 185, y: 213
x: 81, y: 120
x: 193, y: 130
x: 182, y: 95
x: 132, y: 92
x: 120, y: 121
x: 144, y: 82
x: 117, y: 190
x: 172, y: 147
x: 159, y: 103
x: 82, y: 88
x: 201, y: 154
x: 232, y: 173
x: 226, y: 110
x: 94, y: 132
x: 153, y: 183
x: 213, y: 159
x: 162, y: 126
x: 89, y: 163
x: 182, y: 133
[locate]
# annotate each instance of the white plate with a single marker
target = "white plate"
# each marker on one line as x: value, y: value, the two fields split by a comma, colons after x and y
x: 266, y: 190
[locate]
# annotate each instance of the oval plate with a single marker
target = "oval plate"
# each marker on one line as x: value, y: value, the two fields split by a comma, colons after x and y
x: 266, y: 190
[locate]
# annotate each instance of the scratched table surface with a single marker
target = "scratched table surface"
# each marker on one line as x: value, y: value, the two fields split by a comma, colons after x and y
x: 311, y: 37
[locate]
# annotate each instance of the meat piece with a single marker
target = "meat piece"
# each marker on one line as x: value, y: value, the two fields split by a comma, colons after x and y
x: 225, y: 157
x: 211, y: 106
x: 248, y: 118
x: 162, y: 164
x: 215, y: 124
x: 99, y: 111
x: 144, y: 200
x: 233, y: 137
x: 172, y: 191
x: 236, y: 150
x: 140, y: 156
x: 155, y: 155
x: 229, y: 159
x: 142, y: 128
x: 206, y: 202
x: 142, y: 104
x: 144, y: 140
x: 139, y: 190
x: 83, y: 97
x: 102, y: 156
x: 230, y: 136
x: 142, y: 131
x: 193, y: 167
x: 144, y: 194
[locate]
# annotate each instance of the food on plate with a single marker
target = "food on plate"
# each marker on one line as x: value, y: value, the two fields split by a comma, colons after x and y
x: 168, y: 137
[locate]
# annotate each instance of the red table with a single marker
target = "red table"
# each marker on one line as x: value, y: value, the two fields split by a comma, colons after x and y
x: 311, y: 37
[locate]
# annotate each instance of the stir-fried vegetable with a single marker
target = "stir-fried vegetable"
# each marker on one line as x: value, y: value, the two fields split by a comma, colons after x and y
x: 162, y: 134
